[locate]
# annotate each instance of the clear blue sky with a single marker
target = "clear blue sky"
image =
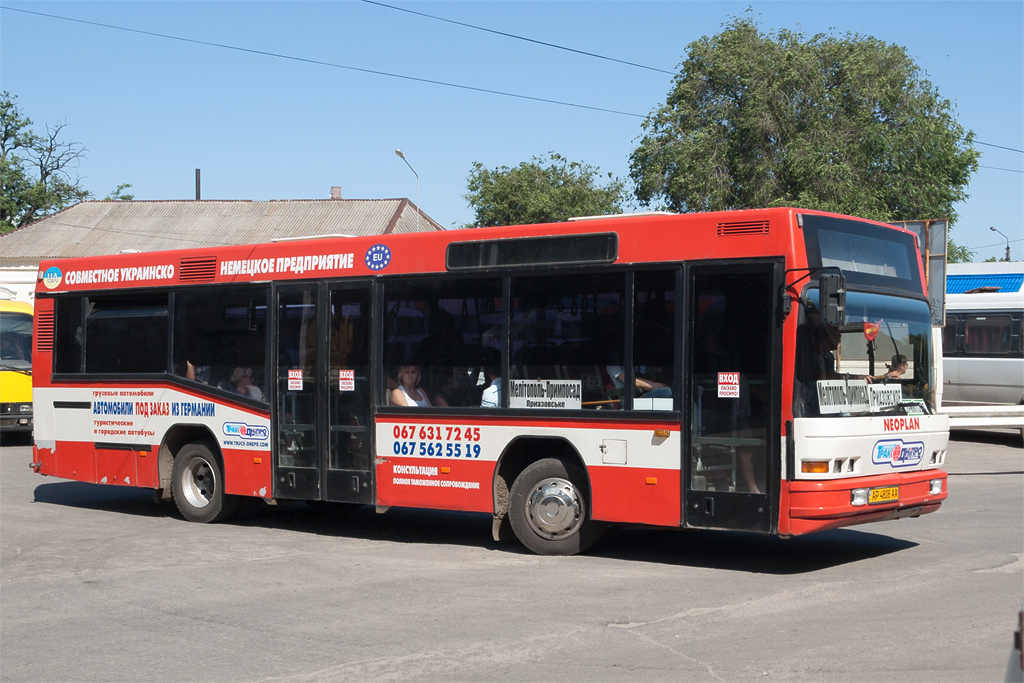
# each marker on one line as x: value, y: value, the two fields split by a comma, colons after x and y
x: 150, y: 110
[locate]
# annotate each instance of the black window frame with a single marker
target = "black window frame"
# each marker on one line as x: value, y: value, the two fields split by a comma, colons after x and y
x: 506, y: 276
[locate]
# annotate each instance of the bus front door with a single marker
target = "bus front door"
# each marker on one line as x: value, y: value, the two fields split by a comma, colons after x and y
x: 323, y: 393
x: 732, y: 335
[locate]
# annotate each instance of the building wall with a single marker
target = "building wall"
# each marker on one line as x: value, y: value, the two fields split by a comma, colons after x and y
x: 18, y: 283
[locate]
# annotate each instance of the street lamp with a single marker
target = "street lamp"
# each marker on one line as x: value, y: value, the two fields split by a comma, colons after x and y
x: 1007, y: 242
x: 401, y: 156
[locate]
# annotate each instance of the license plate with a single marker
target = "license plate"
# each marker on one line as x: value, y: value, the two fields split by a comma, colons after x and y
x: 886, y: 494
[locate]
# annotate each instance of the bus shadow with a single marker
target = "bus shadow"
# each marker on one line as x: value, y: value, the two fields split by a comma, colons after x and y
x: 735, y: 551
x: 403, y: 525
x: 747, y: 552
x: 122, y: 499
x: 1005, y: 437
x: 399, y: 525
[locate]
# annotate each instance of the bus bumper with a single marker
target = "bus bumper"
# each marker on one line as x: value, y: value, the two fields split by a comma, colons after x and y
x: 821, y: 505
x: 15, y: 417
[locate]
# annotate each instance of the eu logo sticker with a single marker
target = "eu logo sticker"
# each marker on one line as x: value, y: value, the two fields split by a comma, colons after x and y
x: 378, y: 257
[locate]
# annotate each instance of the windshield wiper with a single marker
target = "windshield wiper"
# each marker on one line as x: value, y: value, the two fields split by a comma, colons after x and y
x: 9, y: 367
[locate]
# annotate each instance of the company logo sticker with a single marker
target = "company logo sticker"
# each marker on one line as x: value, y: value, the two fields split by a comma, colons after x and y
x: 378, y: 257
x: 52, y: 277
x: 897, y: 453
x: 244, y: 431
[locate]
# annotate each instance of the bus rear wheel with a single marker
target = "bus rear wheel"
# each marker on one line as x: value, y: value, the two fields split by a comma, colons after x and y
x: 197, y: 484
x: 548, y: 509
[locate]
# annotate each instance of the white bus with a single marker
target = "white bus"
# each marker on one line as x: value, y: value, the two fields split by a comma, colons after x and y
x: 983, y: 357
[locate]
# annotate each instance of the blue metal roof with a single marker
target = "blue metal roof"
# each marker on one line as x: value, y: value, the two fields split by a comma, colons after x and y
x: 1006, y: 282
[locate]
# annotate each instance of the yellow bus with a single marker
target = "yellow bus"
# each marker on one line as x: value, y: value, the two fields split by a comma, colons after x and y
x: 15, y: 367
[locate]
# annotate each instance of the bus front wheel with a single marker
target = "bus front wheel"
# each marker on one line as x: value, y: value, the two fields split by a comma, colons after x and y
x: 548, y: 509
x: 197, y: 484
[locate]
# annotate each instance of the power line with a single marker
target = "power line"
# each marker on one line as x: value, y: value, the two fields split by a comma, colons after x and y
x: 416, y: 79
x: 517, y: 37
x: 1000, y: 244
x: 332, y: 65
x: 996, y: 168
x: 1009, y: 149
x: 598, y: 56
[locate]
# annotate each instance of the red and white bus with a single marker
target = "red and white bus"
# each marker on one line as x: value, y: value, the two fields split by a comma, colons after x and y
x: 720, y: 370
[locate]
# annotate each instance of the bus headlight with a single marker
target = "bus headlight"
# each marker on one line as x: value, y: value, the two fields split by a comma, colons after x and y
x: 859, y: 497
x: 935, y: 487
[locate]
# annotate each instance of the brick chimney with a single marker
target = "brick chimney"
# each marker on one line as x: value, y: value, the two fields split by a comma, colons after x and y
x: 335, y: 192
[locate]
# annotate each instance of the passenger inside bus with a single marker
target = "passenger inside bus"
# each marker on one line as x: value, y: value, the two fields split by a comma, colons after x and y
x: 458, y: 385
x: 241, y: 383
x: 827, y: 343
x: 491, y: 398
x: 897, y: 368
x: 827, y: 350
x: 188, y: 370
x: 408, y: 391
x: 649, y: 388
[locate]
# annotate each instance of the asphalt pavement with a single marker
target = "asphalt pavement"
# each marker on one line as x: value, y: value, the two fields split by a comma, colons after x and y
x: 100, y: 583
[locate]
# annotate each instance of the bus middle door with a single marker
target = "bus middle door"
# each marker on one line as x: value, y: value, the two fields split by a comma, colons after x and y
x: 323, y: 393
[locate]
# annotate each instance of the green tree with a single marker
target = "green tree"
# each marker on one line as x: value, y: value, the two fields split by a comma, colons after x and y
x: 35, y: 170
x: 546, y: 189
x: 957, y: 254
x: 119, y: 194
x: 846, y: 124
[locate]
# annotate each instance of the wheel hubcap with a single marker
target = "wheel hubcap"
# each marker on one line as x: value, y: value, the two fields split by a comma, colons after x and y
x: 555, y: 509
x: 198, y: 482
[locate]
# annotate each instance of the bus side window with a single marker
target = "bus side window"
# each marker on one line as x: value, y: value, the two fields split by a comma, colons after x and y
x: 215, y: 334
x: 571, y: 328
x: 654, y: 342
x: 449, y: 329
x: 126, y: 334
x: 68, y: 334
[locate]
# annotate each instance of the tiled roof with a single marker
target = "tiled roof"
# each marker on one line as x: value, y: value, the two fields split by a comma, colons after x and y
x: 1003, y: 282
x: 93, y: 228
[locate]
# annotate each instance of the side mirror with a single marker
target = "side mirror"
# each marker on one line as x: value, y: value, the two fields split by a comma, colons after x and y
x: 832, y: 298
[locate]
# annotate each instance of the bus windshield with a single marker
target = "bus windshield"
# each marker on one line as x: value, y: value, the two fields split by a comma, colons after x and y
x: 877, y: 362
x: 16, y: 341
